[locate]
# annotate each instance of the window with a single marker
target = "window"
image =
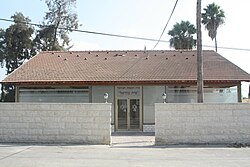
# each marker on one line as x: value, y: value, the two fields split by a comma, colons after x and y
x: 54, y: 95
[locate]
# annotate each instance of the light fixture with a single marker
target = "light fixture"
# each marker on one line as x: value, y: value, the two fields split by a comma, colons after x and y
x: 106, y: 96
x: 164, y: 97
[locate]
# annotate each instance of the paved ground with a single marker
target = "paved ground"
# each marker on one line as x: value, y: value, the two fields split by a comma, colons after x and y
x: 125, y: 151
x: 246, y: 100
x: 132, y: 139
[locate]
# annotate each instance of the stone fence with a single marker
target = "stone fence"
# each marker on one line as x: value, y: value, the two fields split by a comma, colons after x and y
x: 202, y: 123
x: 55, y: 123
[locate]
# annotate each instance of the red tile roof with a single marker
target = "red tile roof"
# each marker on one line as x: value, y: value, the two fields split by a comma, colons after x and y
x: 124, y: 66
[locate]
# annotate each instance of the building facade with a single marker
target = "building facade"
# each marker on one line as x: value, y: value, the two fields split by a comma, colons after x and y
x: 134, y: 81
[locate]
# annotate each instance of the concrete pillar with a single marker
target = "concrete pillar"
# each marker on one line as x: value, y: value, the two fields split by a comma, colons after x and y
x: 239, y: 92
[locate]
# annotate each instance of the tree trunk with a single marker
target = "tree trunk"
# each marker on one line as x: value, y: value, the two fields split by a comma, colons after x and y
x: 200, y: 91
x: 57, y: 26
x: 239, y: 93
x: 2, y: 92
x: 215, y: 41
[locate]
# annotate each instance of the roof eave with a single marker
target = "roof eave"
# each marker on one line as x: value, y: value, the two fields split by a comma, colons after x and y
x: 119, y: 82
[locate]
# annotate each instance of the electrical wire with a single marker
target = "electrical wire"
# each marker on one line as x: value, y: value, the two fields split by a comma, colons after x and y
x: 89, y: 32
x: 166, y: 25
x: 120, y: 36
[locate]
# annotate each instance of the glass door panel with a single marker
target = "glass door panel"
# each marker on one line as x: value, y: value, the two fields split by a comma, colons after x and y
x: 122, y: 113
x: 134, y: 114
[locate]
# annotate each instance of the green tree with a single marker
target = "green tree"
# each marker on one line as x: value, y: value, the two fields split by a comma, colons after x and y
x: 212, y: 18
x: 182, y: 35
x: 58, y: 22
x: 18, y: 43
x: 2, y: 46
x: 15, y: 47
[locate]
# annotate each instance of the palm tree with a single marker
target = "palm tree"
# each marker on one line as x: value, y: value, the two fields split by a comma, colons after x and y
x: 182, y: 35
x: 212, y: 19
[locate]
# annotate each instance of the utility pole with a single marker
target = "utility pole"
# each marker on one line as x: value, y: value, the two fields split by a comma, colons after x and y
x: 200, y: 90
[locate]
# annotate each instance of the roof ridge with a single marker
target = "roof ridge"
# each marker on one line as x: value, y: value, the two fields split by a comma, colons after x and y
x: 78, y: 51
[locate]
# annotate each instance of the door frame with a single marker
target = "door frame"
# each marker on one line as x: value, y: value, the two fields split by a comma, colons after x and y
x: 128, y: 108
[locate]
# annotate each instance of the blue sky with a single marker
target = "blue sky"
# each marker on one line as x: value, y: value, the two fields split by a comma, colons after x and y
x: 143, y: 18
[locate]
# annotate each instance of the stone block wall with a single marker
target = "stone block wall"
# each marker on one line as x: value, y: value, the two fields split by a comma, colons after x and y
x: 202, y: 123
x: 148, y: 128
x: 55, y: 123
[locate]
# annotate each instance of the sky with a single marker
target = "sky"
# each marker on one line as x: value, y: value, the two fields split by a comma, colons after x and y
x: 144, y: 18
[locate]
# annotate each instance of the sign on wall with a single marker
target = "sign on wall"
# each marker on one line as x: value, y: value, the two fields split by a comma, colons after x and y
x: 128, y: 91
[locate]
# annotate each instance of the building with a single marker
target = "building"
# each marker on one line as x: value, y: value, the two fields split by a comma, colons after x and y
x: 134, y: 81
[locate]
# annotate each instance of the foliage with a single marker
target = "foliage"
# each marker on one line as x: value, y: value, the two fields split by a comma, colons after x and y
x: 16, y: 43
x: 2, y: 46
x: 182, y: 35
x: 58, y: 22
x: 212, y: 18
x: 15, y: 48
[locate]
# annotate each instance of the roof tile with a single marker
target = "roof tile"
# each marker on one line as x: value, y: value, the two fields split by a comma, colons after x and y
x: 124, y: 66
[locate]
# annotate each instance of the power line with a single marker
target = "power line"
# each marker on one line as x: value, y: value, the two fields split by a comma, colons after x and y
x: 166, y: 25
x: 89, y: 32
x: 228, y: 48
x: 120, y: 36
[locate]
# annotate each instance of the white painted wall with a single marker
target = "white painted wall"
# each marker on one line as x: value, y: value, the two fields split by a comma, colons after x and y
x: 151, y: 95
x: 97, y: 97
x: 202, y: 123
x: 55, y: 123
